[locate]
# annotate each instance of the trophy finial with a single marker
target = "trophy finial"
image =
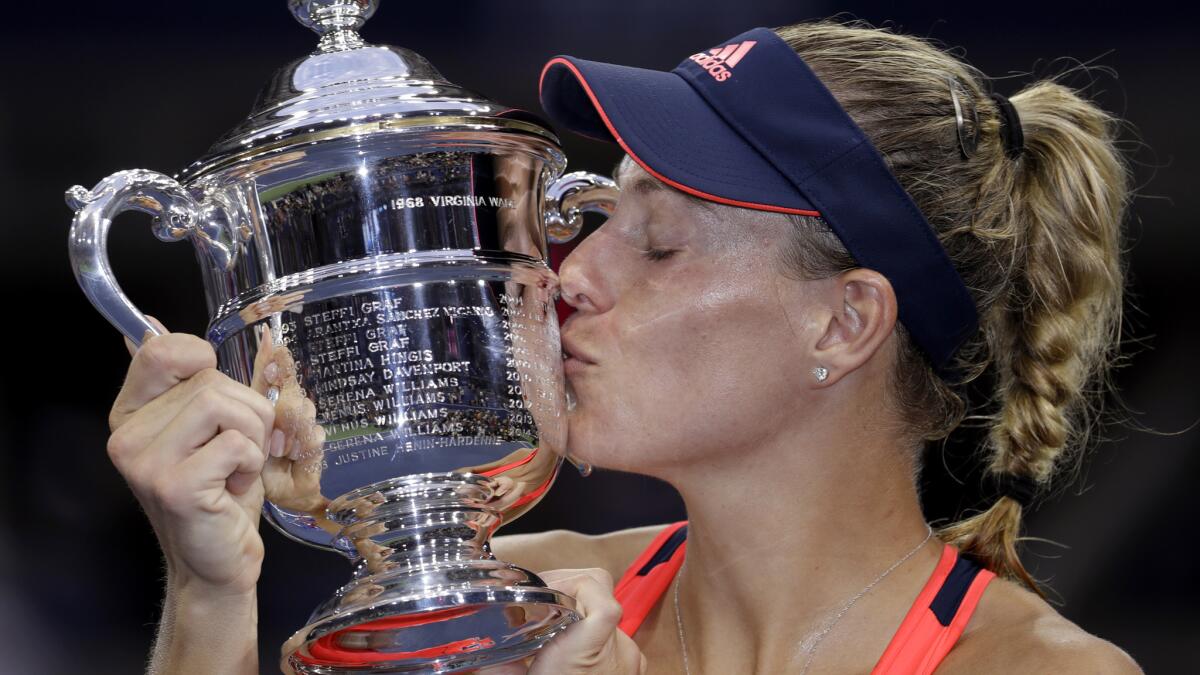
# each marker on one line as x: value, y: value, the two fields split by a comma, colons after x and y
x: 336, y: 21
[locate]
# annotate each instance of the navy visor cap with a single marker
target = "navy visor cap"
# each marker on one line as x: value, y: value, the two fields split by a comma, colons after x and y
x: 748, y: 124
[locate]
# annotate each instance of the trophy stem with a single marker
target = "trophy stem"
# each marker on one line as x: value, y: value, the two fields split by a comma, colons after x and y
x: 426, y: 593
x: 411, y: 522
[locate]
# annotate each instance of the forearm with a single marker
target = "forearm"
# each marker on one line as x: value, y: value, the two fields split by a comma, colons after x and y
x: 202, y: 631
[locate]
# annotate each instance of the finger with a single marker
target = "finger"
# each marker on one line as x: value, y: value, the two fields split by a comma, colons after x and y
x: 307, y: 445
x: 162, y: 330
x: 305, y: 432
x: 255, y: 402
x: 594, y: 638
x: 316, y: 441
x: 210, y: 413
x: 147, y: 423
x: 289, y: 447
x: 240, y: 481
x: 574, y: 577
x: 278, y: 443
x: 132, y: 348
x: 593, y: 593
x: 161, y: 363
x: 230, y: 461
x: 263, y: 358
x: 288, y: 413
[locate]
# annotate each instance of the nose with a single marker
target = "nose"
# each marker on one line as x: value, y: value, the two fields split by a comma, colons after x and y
x: 583, y: 287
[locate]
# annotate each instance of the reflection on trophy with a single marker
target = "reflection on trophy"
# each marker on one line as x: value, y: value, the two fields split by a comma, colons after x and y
x: 372, y: 241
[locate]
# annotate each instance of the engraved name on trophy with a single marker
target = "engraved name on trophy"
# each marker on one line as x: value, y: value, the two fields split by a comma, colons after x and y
x: 389, y: 228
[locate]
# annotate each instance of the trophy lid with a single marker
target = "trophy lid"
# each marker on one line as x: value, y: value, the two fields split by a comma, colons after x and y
x: 350, y: 88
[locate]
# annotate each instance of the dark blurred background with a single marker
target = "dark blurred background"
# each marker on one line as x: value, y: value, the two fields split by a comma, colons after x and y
x: 90, y: 88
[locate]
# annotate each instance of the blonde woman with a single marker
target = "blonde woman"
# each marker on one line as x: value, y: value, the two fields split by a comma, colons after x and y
x: 824, y: 232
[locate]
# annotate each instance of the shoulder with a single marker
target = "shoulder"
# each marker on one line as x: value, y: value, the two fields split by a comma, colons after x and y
x: 1014, y: 630
x: 564, y: 549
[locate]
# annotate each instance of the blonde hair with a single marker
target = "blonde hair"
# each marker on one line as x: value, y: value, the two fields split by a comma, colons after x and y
x: 1037, y: 240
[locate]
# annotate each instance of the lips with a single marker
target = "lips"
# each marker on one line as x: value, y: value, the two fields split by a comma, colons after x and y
x: 574, y: 351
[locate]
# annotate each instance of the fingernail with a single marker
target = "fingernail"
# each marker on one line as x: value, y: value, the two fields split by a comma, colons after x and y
x: 271, y: 372
x: 277, y: 443
x: 293, y: 449
x: 147, y: 335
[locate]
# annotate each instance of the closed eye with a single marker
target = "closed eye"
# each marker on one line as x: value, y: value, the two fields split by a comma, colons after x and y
x: 658, y: 253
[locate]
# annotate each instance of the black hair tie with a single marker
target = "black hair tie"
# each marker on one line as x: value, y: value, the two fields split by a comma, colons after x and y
x: 1021, y: 489
x: 1010, y: 127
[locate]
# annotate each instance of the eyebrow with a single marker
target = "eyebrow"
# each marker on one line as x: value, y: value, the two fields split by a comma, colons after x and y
x: 642, y: 185
x: 645, y: 185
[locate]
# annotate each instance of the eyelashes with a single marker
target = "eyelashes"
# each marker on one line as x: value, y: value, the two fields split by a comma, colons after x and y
x: 657, y: 254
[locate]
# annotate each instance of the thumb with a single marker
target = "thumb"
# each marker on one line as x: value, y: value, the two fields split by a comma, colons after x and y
x: 162, y: 330
x: 594, y: 644
x: 157, y: 324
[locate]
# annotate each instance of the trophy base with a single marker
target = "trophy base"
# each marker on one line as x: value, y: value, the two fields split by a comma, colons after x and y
x: 425, y: 606
x: 444, y: 633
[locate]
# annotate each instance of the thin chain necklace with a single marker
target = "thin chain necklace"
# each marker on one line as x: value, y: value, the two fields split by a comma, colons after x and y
x: 825, y: 631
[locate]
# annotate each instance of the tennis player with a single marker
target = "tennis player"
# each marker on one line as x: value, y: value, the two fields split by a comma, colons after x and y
x: 825, y: 232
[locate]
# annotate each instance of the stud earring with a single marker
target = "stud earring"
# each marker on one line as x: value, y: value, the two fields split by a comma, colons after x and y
x: 821, y: 372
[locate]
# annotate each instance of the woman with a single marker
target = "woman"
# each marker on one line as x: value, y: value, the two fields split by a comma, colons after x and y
x: 767, y: 323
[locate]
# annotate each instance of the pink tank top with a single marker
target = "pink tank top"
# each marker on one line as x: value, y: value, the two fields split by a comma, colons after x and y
x: 928, y: 632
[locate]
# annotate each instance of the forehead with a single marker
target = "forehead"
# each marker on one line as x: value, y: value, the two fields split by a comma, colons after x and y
x: 635, y: 180
x: 632, y: 178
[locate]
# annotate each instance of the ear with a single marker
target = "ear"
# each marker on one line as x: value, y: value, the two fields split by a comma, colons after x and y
x: 863, y: 315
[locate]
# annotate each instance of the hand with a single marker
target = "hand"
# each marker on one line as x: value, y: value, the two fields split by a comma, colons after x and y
x: 593, y: 645
x: 191, y: 443
x: 292, y: 475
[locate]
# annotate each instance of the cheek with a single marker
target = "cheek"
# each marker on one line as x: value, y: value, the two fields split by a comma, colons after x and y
x: 701, y: 373
x: 730, y: 374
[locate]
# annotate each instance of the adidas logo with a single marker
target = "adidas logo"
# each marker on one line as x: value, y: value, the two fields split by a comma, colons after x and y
x: 719, y: 61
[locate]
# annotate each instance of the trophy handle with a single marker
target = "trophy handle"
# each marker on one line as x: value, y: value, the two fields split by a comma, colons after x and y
x: 174, y: 211
x: 572, y: 195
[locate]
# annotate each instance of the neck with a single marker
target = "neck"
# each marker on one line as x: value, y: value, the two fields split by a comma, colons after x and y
x: 774, y: 552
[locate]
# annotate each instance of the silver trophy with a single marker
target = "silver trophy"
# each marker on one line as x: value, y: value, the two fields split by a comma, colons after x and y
x: 382, y: 232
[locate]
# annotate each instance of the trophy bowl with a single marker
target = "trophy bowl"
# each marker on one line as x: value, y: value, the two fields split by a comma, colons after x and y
x: 381, y: 234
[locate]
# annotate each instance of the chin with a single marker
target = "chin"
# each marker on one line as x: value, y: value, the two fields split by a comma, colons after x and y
x: 596, y: 442
x: 582, y: 442
x: 609, y: 444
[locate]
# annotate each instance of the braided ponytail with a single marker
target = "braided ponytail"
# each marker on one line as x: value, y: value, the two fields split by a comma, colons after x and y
x: 1035, y: 236
x: 1056, y: 330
